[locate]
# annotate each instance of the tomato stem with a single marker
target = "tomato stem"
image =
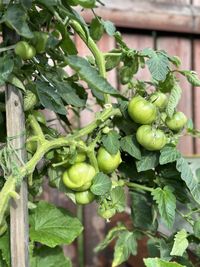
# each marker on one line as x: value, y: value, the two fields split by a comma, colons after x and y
x: 138, y: 186
x: 10, y: 47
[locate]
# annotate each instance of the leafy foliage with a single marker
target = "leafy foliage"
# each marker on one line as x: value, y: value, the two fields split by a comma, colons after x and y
x: 52, y: 226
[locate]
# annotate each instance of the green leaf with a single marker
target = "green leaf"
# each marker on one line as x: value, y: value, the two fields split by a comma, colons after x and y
x: 191, y: 181
x: 141, y: 211
x: 196, y: 229
x: 49, y: 3
x: 26, y: 3
x: 118, y: 198
x: 109, y: 27
x: 158, y: 65
x: 148, y: 161
x: 6, y: 67
x: 175, y: 60
x: 156, y: 262
x: 169, y: 154
x: 16, y: 16
x: 96, y: 29
x: 5, y: 248
x: 53, y: 226
x: 72, y: 93
x: 49, y: 97
x: 68, y: 45
x: 101, y: 184
x: 50, y: 257
x: 166, y: 202
x: 112, y: 61
x: 191, y: 77
x: 111, y: 142
x: 90, y: 75
x: 180, y: 243
x: 130, y: 145
x: 173, y: 100
x: 12, y: 79
x: 113, y: 233
x: 125, y: 246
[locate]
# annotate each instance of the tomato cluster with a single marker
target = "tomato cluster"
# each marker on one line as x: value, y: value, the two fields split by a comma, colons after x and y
x: 79, y: 176
x: 37, y: 45
x: 152, y: 134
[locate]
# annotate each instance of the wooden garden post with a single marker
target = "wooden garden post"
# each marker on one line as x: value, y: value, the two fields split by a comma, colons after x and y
x: 19, y: 238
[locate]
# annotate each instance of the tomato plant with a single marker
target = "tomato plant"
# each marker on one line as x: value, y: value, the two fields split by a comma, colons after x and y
x: 129, y: 150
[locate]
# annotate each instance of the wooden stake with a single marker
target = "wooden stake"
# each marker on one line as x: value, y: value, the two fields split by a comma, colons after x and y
x: 15, y: 121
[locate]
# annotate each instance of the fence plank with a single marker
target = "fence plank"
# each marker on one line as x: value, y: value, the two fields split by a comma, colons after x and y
x: 15, y: 123
x: 196, y: 99
x: 176, y: 16
x: 182, y: 48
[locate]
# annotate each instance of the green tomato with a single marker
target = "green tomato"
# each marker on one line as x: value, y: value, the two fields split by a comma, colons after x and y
x: 151, y: 139
x: 141, y: 111
x: 40, y: 41
x: 108, y: 163
x: 177, y: 122
x: 24, y: 50
x: 159, y: 100
x: 106, y: 213
x: 84, y: 197
x: 39, y: 116
x: 79, y: 176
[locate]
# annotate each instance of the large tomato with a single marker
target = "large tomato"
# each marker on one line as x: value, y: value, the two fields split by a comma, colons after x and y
x: 177, y: 122
x: 142, y: 111
x: 79, y: 176
x: 159, y: 100
x: 108, y: 163
x: 151, y: 139
x: 24, y: 50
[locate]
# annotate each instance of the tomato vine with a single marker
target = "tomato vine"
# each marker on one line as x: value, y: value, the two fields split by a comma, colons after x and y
x: 131, y: 143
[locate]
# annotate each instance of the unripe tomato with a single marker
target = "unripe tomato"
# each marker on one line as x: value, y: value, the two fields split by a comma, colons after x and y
x: 159, y: 100
x: 84, y: 197
x: 108, y: 163
x: 39, y: 41
x: 106, y: 213
x: 151, y: 139
x: 177, y: 122
x: 79, y: 176
x: 141, y: 111
x: 39, y: 116
x: 24, y: 50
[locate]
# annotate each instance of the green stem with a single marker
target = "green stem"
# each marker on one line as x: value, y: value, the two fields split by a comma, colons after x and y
x: 138, y: 186
x: 98, y: 55
x: 44, y: 147
x: 3, y: 49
